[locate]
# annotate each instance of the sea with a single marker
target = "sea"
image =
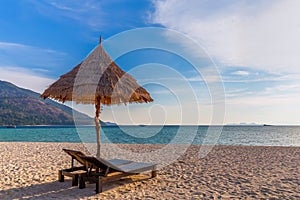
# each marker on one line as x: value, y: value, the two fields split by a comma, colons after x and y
x: 220, y: 135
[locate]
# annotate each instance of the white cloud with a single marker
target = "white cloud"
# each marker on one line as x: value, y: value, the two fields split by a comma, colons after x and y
x: 26, y: 65
x: 86, y: 12
x: 259, y: 34
x: 281, y: 94
x: 61, y: 6
x: 263, y: 100
x: 15, y: 46
x: 293, y: 88
x: 8, y: 45
x: 241, y: 73
x: 25, y: 78
x: 278, y: 105
x: 12, y: 54
x: 255, y: 78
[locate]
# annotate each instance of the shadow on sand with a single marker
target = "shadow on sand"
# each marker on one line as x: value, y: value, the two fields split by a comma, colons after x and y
x: 60, y: 190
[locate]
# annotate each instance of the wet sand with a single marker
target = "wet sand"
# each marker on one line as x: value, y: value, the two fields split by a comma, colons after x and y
x: 29, y: 171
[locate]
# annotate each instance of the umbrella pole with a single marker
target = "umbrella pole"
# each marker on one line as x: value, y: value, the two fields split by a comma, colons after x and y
x: 97, y: 122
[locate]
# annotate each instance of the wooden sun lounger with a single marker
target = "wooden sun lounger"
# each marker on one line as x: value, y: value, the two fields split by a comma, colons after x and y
x: 111, y: 170
x: 73, y: 172
x: 76, y: 171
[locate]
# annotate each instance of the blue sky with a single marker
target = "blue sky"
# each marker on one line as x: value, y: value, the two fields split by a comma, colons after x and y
x: 253, y: 45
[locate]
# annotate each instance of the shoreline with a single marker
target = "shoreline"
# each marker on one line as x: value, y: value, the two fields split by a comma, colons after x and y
x: 210, y: 145
x: 30, y: 170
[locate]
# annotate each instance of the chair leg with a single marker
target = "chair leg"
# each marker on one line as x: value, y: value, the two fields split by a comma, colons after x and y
x: 75, y: 180
x: 99, y: 186
x: 81, y: 182
x: 154, y: 172
x: 61, y: 177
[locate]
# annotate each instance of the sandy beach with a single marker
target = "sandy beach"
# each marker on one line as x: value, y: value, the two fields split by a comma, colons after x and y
x: 29, y: 171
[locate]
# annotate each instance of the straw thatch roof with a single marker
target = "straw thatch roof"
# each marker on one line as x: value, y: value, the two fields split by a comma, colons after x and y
x: 97, y: 80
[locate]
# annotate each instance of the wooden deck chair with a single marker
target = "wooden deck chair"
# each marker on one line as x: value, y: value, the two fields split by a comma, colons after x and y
x: 76, y: 171
x: 112, y: 170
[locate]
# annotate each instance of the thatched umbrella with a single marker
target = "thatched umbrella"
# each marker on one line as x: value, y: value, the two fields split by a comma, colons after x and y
x: 97, y: 80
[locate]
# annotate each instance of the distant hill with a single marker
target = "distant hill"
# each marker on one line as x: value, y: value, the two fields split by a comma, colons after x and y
x: 20, y: 106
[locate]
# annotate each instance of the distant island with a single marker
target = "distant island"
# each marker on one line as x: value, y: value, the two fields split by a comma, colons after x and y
x: 19, y: 106
x: 246, y: 124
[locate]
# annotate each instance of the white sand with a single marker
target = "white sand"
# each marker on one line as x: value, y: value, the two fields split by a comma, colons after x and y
x: 29, y: 171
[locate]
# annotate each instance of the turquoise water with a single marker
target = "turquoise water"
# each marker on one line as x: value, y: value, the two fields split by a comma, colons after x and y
x: 230, y: 135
